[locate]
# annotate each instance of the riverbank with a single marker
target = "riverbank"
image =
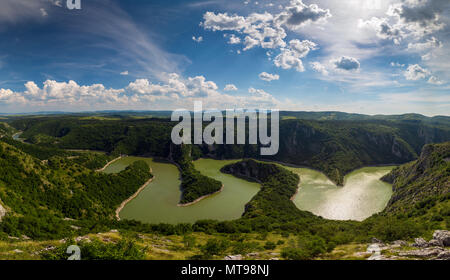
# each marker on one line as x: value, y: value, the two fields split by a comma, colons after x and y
x: 109, y: 163
x: 16, y: 136
x: 122, y: 205
x: 291, y: 165
x: 200, y: 198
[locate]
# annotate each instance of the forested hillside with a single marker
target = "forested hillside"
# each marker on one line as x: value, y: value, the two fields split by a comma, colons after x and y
x: 335, y: 147
x: 38, y: 194
x: 6, y: 129
x: 423, y: 184
x: 58, y: 196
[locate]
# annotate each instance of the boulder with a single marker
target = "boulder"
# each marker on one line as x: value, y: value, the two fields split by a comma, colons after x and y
x: 422, y: 253
x: 373, y: 248
x: 24, y: 237
x: 400, y: 243
x: 233, y: 258
x: 420, y: 243
x: 376, y: 240
x: 444, y: 256
x: 442, y: 236
x: 434, y: 243
x: 252, y: 254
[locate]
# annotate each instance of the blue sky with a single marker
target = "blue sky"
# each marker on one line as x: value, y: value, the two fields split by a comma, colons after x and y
x: 365, y: 56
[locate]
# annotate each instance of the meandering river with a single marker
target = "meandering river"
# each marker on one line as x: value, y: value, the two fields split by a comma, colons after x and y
x: 362, y: 195
x: 17, y: 136
x: 157, y: 203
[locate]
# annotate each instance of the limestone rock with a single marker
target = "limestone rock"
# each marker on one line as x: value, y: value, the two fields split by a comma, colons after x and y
x: 373, y: 248
x: 233, y: 258
x: 82, y: 238
x: 442, y: 236
x: 376, y: 240
x: 400, y: 243
x: 420, y: 243
x: 434, y: 243
x: 422, y: 253
x: 2, y: 211
x: 252, y: 254
x: 444, y: 256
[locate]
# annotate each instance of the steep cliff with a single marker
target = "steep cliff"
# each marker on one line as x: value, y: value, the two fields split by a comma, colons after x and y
x: 423, y: 181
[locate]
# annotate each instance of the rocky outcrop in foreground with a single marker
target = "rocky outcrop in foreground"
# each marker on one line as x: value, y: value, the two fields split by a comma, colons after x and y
x: 435, y: 249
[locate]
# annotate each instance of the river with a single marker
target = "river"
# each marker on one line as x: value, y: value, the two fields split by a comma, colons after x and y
x: 157, y: 203
x: 362, y: 195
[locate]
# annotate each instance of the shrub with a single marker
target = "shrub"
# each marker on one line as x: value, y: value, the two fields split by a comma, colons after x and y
x: 270, y: 245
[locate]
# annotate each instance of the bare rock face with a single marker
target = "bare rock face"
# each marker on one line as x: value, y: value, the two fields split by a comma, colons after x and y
x: 443, y: 237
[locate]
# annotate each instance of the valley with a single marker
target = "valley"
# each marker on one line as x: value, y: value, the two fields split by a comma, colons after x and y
x: 65, y: 175
x: 362, y: 195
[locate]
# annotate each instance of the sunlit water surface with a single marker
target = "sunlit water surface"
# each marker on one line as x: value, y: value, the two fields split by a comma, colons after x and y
x: 362, y: 195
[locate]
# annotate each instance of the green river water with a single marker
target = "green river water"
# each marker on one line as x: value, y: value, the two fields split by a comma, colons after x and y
x: 362, y: 195
x: 157, y: 203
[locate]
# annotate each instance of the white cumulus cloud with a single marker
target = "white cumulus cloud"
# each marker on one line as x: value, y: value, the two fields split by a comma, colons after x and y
x: 268, y: 30
x: 319, y: 67
x: 415, y: 72
x: 172, y: 92
x: 230, y: 87
x: 268, y: 77
x: 346, y: 63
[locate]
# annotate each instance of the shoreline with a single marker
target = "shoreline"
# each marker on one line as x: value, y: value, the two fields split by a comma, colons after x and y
x: 122, y: 205
x: 109, y: 163
x: 322, y: 172
x: 296, y: 192
x: 200, y: 198
x: 16, y: 136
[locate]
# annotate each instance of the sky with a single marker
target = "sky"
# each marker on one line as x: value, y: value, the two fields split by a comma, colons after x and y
x: 357, y: 56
